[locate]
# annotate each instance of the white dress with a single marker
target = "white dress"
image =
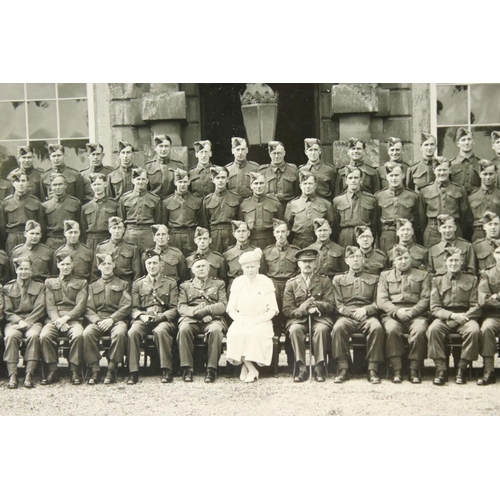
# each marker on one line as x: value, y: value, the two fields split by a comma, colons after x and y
x: 247, y: 340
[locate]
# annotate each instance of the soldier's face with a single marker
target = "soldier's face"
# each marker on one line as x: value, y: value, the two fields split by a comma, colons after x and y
x: 353, y: 180
x: 163, y: 149
x: 355, y: 261
x: 153, y: 266
x: 141, y: 181
x: 281, y: 234
x: 161, y: 238
x: 240, y: 152
x: 448, y: 230
x: 26, y: 161
x: 203, y: 242
x: 323, y: 233
x: 442, y: 172
x: 72, y: 236
x: 65, y: 266
x: 492, y: 228
x: 200, y: 269
x: 306, y: 266
x: 57, y: 158
x: 58, y: 186
x: 98, y: 186
x: 242, y: 234
x: 33, y: 236
x: 251, y: 268
x: 23, y: 271
x: 428, y: 147
x: 395, y: 178
x: 403, y: 262
x: 182, y: 185
x: 356, y: 152
x: 126, y: 155
x: 496, y: 147
x: 405, y: 233
x: 308, y: 186
x: 496, y: 255
x: 117, y: 231
x: 107, y: 266
x: 204, y: 155
x: 365, y: 241
x: 95, y: 158
x: 454, y: 263
x: 278, y: 155
x: 220, y: 181
x: 313, y: 153
x: 21, y: 185
x: 489, y: 176
x: 258, y: 186
x: 395, y: 152
x: 466, y: 143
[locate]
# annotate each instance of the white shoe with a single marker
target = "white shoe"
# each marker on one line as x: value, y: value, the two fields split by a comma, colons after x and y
x: 244, y: 372
x: 252, y: 376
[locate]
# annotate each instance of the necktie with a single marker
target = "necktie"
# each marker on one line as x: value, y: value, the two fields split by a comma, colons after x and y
x: 308, y: 282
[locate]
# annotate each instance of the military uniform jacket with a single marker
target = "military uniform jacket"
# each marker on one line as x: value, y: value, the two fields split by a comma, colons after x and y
x: 296, y: 293
x: 418, y: 255
x: 201, y: 180
x: 34, y: 177
x: 219, y: 208
x: 259, y: 212
x: 182, y: 211
x: 232, y: 255
x: 87, y: 188
x: 382, y: 174
x: 465, y: 172
x: 16, y: 210
x: 301, y: 212
x: 482, y: 200
x: 370, y: 181
x: 326, y: 178
x: 82, y: 259
x: 484, y: 249
x: 24, y: 303
x: 420, y: 174
x: 172, y: 262
x: 375, y: 261
x: 4, y: 267
x: 330, y: 259
x: 397, y: 290
x: 489, y: 291
x: 280, y: 261
x: 282, y: 180
x: 5, y: 188
x: 41, y: 259
x: 355, y: 290
x: 496, y: 161
x: 194, y: 295
x: 218, y: 266
x: 140, y: 209
x: 74, y: 182
x: 126, y: 258
x: 58, y: 210
x: 238, y: 180
x: 65, y: 297
x: 161, y: 176
x: 355, y: 209
x: 159, y: 299
x: 437, y: 256
x: 95, y: 215
x: 120, y: 181
x: 108, y: 298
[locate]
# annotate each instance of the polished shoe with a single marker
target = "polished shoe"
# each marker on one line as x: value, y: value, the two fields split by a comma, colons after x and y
x: 440, y: 378
x: 28, y: 381
x: 319, y: 372
x: 397, y: 378
x: 373, y: 377
x: 488, y: 378
x: 415, y: 377
x: 460, y: 378
x: 13, y: 382
x: 341, y: 376
x: 302, y: 375
x: 110, y: 377
x: 167, y: 377
x: 52, y: 378
x: 94, y: 379
x: 133, y: 378
x: 210, y: 376
x: 188, y: 375
x: 244, y: 372
x: 75, y: 378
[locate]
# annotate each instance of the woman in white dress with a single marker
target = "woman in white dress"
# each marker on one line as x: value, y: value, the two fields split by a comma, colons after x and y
x: 252, y: 304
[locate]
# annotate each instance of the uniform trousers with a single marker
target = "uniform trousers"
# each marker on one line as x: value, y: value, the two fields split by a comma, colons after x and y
x: 262, y: 239
x: 94, y: 239
x: 345, y: 327
x: 14, y: 238
x: 13, y: 338
x: 163, y: 337
x: 91, y: 336
x: 320, y: 331
x: 55, y: 242
x: 303, y: 240
x: 388, y: 238
x: 478, y: 234
x: 48, y: 342
x: 396, y: 331
x: 347, y: 236
x: 222, y: 238
x: 140, y: 236
x: 183, y: 239
x: 213, y: 332
x: 490, y: 328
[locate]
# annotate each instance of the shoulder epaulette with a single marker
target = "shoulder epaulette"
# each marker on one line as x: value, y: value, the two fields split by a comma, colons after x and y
x: 11, y: 282
x: 253, y: 163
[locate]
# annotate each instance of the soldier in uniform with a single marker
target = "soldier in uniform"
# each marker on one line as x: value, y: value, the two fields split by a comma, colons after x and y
x: 422, y: 173
x: 403, y: 295
x: 219, y: 209
x: 154, y: 311
x: 125, y: 255
x: 108, y: 307
x: 65, y: 301
x: 437, y: 255
x: 40, y: 255
x: 454, y: 305
x: 465, y: 166
x: 95, y: 154
x: 139, y: 209
x: 370, y: 180
x: 172, y: 261
x: 259, y: 210
x: 161, y: 170
x: 181, y: 213
x: 202, y: 304
x: 308, y: 302
x: 331, y: 259
x: 200, y: 177
x: 25, y: 159
x: 354, y: 207
x: 325, y: 174
x: 486, y: 198
x: 301, y: 212
x: 485, y: 247
x: 395, y: 202
x: 73, y: 178
x: 374, y: 260
x: 81, y: 254
x: 282, y: 178
x: 96, y: 213
x: 24, y: 310
x: 443, y: 197
x: 120, y: 179
x: 418, y: 253
x: 238, y: 181
x: 18, y: 208
x: 495, y: 145
x: 355, y: 295
x: 58, y: 208
x: 395, y: 148
x: 217, y: 267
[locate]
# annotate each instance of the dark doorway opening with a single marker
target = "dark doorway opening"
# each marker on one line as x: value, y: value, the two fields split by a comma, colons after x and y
x: 221, y: 119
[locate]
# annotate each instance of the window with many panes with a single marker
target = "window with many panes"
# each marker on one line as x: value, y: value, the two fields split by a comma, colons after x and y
x: 40, y: 114
x: 475, y: 106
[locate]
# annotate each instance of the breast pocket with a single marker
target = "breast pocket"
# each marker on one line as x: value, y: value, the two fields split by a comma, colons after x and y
x: 170, y: 266
x: 116, y: 293
x: 366, y: 207
x: 464, y: 290
x: 249, y: 216
x: 270, y: 213
x: 90, y: 215
x: 334, y: 260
